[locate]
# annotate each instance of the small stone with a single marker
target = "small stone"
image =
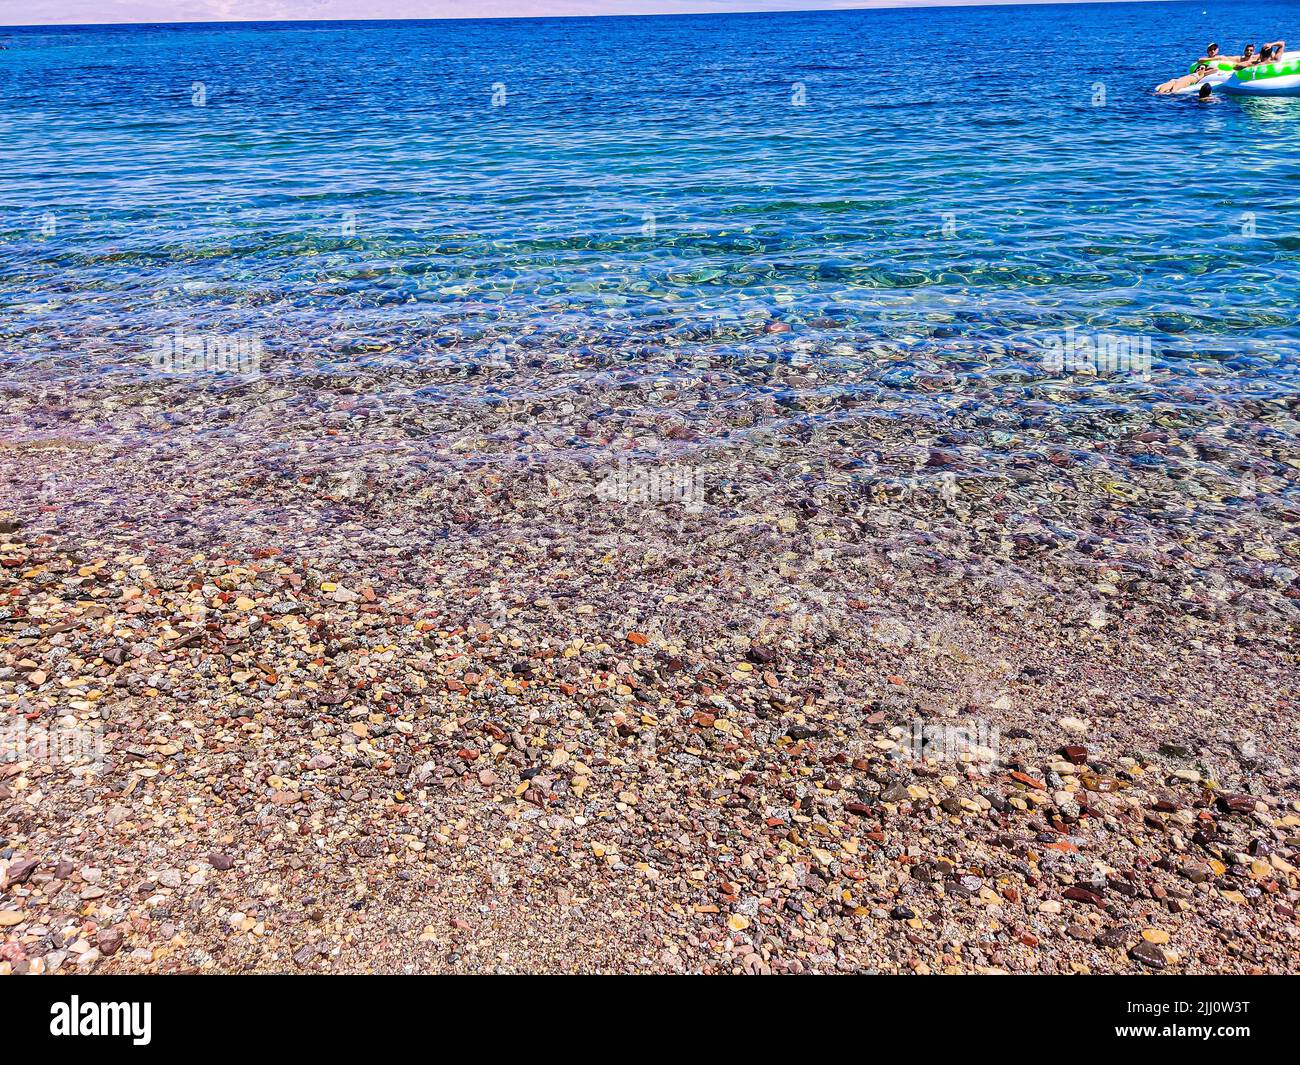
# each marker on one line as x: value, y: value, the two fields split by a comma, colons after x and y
x: 109, y: 941
x: 1118, y: 936
x: 20, y: 871
x: 220, y: 862
x: 1149, y: 954
x: 1080, y: 894
x: 1237, y: 804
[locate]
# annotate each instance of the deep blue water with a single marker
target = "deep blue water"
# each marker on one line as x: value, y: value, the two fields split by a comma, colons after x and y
x: 957, y: 184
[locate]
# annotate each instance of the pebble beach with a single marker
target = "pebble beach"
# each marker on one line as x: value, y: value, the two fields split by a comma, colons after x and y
x: 481, y: 719
x: 620, y: 525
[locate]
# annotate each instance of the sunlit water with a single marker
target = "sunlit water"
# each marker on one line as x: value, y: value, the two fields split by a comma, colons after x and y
x: 738, y: 224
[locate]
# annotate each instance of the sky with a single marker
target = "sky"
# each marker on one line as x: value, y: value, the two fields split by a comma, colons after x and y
x: 47, y: 12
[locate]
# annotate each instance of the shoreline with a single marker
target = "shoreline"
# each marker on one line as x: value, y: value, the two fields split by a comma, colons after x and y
x: 494, y: 731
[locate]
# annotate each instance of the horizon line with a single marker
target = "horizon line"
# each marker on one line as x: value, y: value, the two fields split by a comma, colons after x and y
x: 869, y: 5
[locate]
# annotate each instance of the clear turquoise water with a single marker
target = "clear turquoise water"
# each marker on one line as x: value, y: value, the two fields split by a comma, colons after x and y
x: 479, y: 225
x: 651, y: 249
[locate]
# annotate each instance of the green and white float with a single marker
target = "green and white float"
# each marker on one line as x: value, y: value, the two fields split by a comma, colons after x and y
x: 1278, y: 78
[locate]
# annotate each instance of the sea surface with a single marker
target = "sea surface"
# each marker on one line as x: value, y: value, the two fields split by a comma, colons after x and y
x: 977, y: 222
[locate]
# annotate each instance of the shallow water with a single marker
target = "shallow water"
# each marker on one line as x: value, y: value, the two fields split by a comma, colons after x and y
x: 647, y: 179
x: 857, y: 236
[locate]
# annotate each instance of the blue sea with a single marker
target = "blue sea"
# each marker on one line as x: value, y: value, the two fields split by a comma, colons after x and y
x: 977, y: 221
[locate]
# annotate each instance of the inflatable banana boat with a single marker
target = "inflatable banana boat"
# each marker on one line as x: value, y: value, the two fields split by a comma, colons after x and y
x: 1278, y: 78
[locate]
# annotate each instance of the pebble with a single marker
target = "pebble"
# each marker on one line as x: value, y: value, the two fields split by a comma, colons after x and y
x: 1149, y: 954
x: 109, y: 941
x: 20, y: 870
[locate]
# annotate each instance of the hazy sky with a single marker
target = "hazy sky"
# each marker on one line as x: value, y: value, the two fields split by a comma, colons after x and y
x: 42, y: 12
